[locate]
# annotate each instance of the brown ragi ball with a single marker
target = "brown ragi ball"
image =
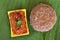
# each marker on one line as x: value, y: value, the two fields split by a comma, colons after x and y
x: 43, y: 17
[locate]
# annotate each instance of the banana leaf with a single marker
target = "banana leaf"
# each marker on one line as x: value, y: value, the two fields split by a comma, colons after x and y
x: 7, y: 5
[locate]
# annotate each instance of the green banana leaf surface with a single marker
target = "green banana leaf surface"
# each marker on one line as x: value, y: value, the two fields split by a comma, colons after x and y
x: 7, y: 5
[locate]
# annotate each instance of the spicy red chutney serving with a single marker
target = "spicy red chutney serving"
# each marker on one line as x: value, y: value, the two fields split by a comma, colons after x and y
x: 18, y: 22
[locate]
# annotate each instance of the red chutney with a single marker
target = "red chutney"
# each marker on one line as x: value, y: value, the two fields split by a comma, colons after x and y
x: 14, y: 16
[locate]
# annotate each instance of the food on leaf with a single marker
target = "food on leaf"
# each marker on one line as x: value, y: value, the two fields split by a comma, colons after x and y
x: 18, y: 23
x: 43, y: 17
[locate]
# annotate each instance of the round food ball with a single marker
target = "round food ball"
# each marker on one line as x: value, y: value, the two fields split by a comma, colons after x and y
x: 43, y: 17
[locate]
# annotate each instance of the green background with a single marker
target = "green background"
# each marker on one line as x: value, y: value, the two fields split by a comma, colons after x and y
x: 6, y: 5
